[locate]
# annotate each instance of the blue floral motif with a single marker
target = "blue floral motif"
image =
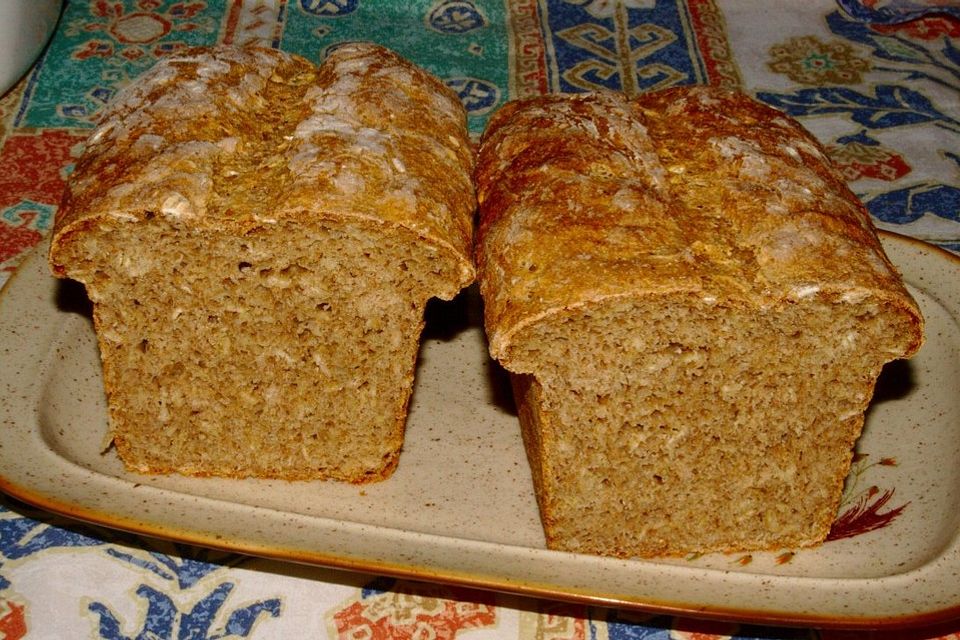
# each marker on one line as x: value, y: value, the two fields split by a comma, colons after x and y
x: 934, y: 62
x: 859, y: 137
x: 896, y: 11
x: 650, y: 630
x: 890, y: 106
x: 455, y: 17
x: 185, y: 571
x: 22, y: 536
x: 911, y: 59
x: 163, y: 620
x: 624, y: 626
x: 478, y: 96
x: 912, y: 203
x: 329, y: 8
x: 950, y: 246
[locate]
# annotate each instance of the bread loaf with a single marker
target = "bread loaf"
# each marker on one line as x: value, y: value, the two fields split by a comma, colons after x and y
x: 259, y: 237
x: 694, y: 309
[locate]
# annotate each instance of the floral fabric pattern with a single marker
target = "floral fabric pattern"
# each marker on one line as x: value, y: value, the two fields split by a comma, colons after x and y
x: 877, y: 81
x: 807, y: 60
x: 893, y: 83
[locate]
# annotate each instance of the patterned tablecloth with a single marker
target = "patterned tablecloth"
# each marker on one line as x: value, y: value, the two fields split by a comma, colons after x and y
x: 877, y: 81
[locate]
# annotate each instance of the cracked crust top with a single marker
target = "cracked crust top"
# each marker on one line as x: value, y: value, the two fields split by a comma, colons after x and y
x: 694, y: 189
x: 235, y: 139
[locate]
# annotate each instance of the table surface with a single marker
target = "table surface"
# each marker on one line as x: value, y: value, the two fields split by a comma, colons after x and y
x: 877, y: 81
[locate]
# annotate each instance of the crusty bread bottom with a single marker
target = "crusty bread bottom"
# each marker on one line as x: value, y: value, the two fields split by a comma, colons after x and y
x: 668, y: 426
x: 285, y: 352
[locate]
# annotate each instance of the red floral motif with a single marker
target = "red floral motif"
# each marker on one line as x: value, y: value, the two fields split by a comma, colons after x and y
x: 13, y: 623
x: 862, y: 511
x: 132, y: 33
x: 187, y: 9
x: 139, y: 28
x: 856, y: 160
x: 105, y: 9
x: 865, y: 515
x: 408, y: 611
x: 926, y: 28
x: 31, y: 186
x: 34, y: 167
x: 14, y: 240
x: 94, y: 49
x: 132, y: 53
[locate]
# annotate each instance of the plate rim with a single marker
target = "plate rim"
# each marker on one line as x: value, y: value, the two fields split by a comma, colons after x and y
x: 286, y: 552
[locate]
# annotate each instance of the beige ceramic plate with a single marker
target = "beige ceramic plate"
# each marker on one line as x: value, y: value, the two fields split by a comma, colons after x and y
x: 460, y: 508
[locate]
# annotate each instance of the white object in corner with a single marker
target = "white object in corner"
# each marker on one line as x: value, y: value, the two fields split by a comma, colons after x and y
x: 25, y: 27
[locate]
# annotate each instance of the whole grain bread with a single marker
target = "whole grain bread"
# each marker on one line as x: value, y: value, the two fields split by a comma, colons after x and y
x: 259, y: 237
x: 694, y: 309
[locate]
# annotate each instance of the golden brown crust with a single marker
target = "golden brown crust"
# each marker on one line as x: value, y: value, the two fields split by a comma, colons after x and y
x: 696, y: 189
x: 233, y: 139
